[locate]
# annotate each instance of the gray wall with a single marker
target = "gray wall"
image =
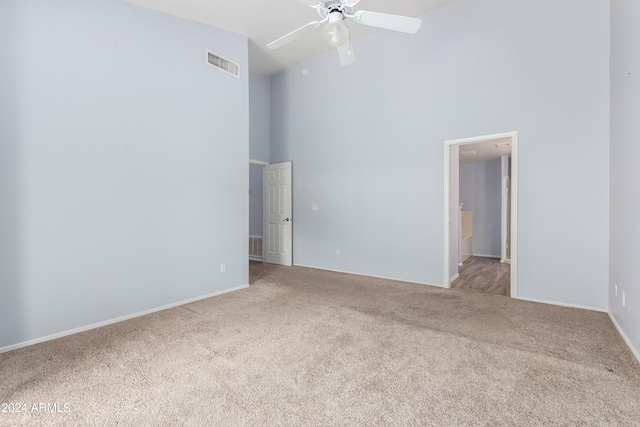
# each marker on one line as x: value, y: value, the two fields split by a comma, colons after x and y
x: 259, y: 117
x: 255, y: 200
x: 12, y: 319
x: 259, y: 144
x: 124, y: 182
x: 625, y: 174
x: 367, y: 141
x: 481, y: 192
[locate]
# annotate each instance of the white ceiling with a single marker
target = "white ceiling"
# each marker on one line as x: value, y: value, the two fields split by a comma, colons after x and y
x: 263, y: 21
x: 485, y: 151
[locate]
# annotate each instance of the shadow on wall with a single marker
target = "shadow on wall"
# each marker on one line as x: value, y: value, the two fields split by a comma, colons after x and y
x: 12, y: 326
x: 12, y: 318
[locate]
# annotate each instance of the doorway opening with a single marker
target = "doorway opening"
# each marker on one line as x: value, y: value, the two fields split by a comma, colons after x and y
x: 256, y: 172
x: 270, y: 213
x: 494, y: 228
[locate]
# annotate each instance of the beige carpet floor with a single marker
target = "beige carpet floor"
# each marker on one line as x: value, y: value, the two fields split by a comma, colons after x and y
x: 484, y: 274
x: 313, y: 348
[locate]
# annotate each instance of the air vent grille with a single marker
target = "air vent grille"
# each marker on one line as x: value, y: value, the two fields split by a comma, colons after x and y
x: 222, y: 63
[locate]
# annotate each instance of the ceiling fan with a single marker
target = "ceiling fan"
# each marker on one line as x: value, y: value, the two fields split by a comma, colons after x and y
x: 336, y: 32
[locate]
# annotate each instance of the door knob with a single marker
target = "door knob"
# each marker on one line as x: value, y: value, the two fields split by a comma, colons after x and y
x: 287, y: 219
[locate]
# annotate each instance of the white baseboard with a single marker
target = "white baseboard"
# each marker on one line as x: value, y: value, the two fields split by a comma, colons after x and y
x: 256, y: 258
x: 562, y: 304
x: 368, y: 275
x: 487, y: 256
x: 454, y: 277
x: 624, y: 336
x: 116, y: 320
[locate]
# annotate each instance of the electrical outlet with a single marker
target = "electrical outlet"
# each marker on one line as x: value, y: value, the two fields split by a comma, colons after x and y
x: 223, y: 267
x: 337, y: 251
x: 624, y: 299
x: 314, y: 207
x: 615, y: 287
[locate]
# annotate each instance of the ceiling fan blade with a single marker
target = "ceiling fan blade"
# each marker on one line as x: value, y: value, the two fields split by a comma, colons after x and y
x: 347, y: 57
x: 387, y: 21
x: 292, y: 35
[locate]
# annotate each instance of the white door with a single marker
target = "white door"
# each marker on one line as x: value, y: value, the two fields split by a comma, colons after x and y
x: 277, y: 214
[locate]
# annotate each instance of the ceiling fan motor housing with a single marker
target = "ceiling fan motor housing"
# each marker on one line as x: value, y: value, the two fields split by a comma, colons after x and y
x: 334, y: 6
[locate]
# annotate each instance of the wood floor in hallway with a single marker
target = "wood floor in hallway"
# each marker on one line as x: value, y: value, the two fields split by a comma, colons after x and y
x: 484, y: 275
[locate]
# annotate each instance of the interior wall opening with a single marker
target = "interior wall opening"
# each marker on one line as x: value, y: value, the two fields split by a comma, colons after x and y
x: 481, y: 214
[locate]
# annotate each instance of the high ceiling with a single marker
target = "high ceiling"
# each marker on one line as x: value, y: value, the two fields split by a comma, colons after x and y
x: 263, y: 21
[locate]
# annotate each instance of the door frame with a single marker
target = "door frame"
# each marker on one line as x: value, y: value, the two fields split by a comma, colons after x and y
x: 514, y: 203
x: 505, y: 214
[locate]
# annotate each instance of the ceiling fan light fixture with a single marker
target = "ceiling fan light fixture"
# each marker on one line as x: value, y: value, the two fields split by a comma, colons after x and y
x: 335, y: 33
